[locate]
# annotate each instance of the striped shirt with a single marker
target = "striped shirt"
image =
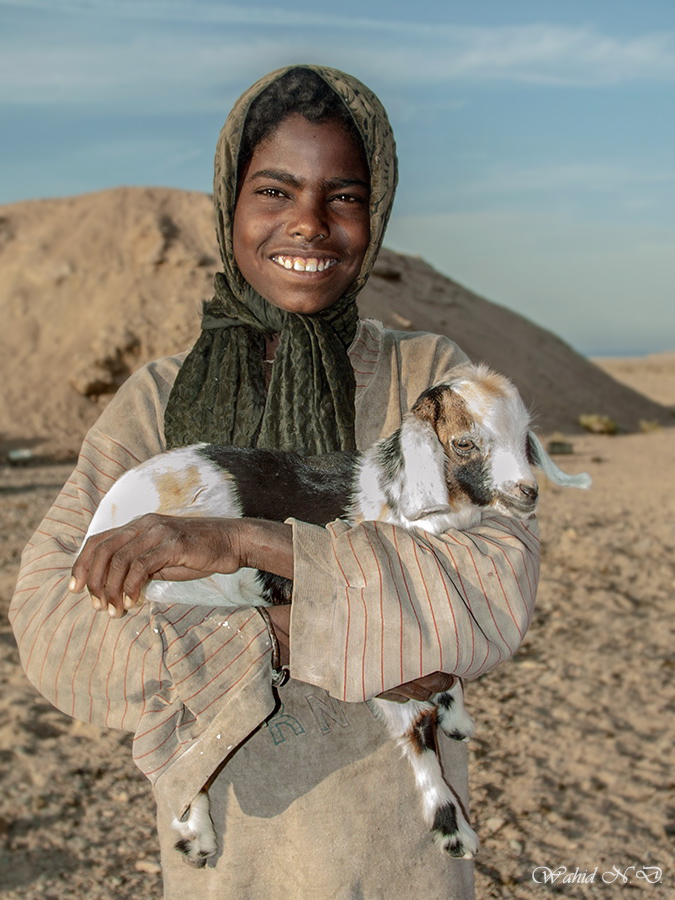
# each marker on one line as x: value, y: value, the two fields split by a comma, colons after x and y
x: 374, y: 606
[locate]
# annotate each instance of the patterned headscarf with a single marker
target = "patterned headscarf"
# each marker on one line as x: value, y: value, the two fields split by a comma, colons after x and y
x: 219, y: 395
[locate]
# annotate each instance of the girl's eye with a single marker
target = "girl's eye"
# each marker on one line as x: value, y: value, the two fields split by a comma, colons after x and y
x: 348, y: 198
x: 463, y: 445
x: 271, y: 192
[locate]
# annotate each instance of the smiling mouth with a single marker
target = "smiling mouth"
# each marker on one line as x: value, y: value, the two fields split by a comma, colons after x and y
x: 304, y: 264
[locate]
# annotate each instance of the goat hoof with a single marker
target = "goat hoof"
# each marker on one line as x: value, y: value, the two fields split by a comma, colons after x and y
x: 193, y: 854
x: 453, y: 834
x: 456, y: 723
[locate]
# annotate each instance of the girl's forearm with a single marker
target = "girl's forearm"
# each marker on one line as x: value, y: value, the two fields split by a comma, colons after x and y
x: 267, y: 545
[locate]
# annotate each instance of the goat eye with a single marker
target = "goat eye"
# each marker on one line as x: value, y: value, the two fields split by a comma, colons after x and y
x: 463, y: 445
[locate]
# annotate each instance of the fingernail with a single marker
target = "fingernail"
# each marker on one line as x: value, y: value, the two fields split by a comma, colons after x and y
x: 128, y: 602
x: 72, y: 584
x: 96, y: 603
x: 112, y: 610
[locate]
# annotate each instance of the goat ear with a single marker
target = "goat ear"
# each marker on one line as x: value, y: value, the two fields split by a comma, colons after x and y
x: 424, y: 491
x: 541, y: 459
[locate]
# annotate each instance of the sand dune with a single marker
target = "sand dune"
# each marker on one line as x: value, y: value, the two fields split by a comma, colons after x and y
x: 93, y: 286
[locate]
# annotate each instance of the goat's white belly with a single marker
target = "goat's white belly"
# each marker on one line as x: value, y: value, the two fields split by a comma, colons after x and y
x: 240, y: 589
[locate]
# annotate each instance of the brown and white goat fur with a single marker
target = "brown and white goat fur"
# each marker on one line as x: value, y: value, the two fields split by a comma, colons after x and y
x: 463, y: 452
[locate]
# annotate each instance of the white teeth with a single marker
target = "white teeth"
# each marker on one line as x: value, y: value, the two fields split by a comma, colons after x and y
x: 300, y: 264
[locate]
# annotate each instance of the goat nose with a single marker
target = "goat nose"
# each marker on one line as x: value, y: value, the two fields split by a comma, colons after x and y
x: 529, y: 489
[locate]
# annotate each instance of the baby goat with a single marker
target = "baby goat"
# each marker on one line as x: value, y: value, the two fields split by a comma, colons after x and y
x: 463, y: 452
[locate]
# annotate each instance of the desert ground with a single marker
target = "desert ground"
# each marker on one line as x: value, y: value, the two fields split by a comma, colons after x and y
x: 572, y: 763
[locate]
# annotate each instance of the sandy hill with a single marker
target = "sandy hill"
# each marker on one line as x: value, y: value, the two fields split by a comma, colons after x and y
x: 95, y: 285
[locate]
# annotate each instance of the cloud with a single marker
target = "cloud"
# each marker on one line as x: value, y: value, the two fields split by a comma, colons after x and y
x: 578, y: 176
x: 147, y: 45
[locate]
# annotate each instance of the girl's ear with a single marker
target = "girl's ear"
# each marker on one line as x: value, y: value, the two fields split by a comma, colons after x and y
x: 424, y: 491
x: 539, y: 457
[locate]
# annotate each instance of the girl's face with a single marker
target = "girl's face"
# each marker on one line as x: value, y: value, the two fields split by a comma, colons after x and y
x: 302, y: 222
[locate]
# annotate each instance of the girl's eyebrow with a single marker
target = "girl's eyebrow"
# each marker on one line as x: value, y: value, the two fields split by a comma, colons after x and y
x: 294, y: 181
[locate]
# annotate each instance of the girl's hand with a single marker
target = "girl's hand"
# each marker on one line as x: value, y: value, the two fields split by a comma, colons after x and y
x: 116, y: 564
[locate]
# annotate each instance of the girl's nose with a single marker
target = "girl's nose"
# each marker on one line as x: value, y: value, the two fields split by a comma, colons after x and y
x: 309, y: 222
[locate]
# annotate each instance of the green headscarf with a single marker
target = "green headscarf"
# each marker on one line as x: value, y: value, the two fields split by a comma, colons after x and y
x: 219, y: 395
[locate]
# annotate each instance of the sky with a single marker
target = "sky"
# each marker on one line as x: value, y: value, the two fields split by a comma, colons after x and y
x: 535, y: 137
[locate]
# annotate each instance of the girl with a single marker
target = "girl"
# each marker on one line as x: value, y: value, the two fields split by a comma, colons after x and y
x: 315, y: 803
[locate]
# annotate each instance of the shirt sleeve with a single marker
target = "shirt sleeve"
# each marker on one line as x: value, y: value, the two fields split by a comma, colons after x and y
x: 161, y: 672
x: 404, y: 604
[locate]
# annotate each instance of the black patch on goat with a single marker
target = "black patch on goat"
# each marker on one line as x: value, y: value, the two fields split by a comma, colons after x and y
x: 390, y: 463
x: 423, y: 731
x: 277, y: 486
x: 474, y: 479
x: 445, y: 700
x: 445, y: 820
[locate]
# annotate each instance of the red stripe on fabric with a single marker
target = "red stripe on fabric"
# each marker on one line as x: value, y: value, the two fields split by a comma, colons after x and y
x: 32, y: 587
x: 111, y: 440
x: 99, y: 490
x: 145, y: 656
x: 115, y: 462
x: 410, y: 597
x: 347, y: 624
x: 94, y: 500
x: 207, y: 659
x: 68, y: 525
x: 506, y: 599
x: 398, y: 595
x: 379, y: 581
x: 234, y: 683
x: 40, y: 608
x: 38, y: 558
x: 489, y: 608
x: 255, y: 637
x: 143, y: 734
x: 363, y: 359
x: 365, y: 617
x: 443, y: 577
x: 465, y: 598
x: 535, y: 537
x: 171, y: 734
x: 63, y: 657
x: 130, y: 621
x: 431, y: 607
x: 49, y: 645
x: 365, y: 336
x: 31, y: 571
x: 126, y: 672
x: 95, y: 666
x: 532, y: 593
x: 97, y: 469
x: 205, y: 638
x: 82, y: 655
x: 66, y: 509
x: 58, y: 543
x: 164, y: 764
x: 173, y: 622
